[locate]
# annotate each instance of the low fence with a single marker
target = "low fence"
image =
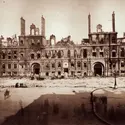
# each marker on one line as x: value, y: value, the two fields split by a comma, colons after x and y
x: 94, y: 109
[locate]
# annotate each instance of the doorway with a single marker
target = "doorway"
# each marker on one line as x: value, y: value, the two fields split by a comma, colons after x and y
x: 98, y: 69
x: 36, y: 68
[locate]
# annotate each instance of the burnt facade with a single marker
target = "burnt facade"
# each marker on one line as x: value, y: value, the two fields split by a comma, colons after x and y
x: 102, y: 53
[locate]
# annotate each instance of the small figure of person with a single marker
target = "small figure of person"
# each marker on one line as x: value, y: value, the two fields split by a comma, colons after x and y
x: 6, y: 94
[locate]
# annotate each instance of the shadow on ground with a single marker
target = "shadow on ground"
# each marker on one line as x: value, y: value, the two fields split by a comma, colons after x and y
x: 53, y: 109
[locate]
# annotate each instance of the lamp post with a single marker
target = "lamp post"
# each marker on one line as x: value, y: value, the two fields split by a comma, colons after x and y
x: 115, y: 84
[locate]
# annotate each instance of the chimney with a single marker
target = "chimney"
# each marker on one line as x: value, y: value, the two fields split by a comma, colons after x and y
x: 22, y: 21
x: 43, y: 26
x: 89, y: 24
x: 113, y: 21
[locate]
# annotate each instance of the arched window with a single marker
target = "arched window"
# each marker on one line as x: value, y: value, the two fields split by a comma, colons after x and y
x: 75, y: 53
x: 59, y: 54
x: 52, y: 42
x: 113, y: 53
x: 72, y: 64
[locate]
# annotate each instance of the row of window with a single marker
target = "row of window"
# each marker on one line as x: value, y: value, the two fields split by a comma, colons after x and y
x: 102, y: 38
x: 9, y: 56
x: 9, y: 66
x: 72, y: 73
x: 79, y: 64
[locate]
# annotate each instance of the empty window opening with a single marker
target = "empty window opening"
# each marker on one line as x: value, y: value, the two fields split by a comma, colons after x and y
x: 72, y: 64
x: 47, y: 74
x: 15, y: 66
x: 94, y: 54
x: 9, y: 57
x: 21, y: 42
x: 59, y: 64
x: 113, y: 54
x: 53, y: 65
x: 122, y: 52
x: 3, y: 66
x: 3, y: 56
x: 101, y: 54
x: 85, y: 53
x: 32, y: 56
x: 59, y: 73
x: 78, y: 64
x: 38, y: 56
x: 85, y: 65
x: 122, y: 64
x: 9, y: 66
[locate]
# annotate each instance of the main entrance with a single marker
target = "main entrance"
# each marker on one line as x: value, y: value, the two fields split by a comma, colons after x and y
x: 98, y: 69
x: 36, y: 68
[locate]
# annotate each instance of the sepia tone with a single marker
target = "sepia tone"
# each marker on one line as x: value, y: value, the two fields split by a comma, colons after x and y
x: 102, y: 53
x: 54, y: 80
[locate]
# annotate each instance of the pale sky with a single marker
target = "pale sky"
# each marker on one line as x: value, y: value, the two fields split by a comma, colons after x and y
x: 63, y: 17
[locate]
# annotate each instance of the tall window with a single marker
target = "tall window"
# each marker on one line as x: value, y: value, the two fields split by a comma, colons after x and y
x: 68, y: 54
x: 53, y: 65
x: 113, y: 53
x: 122, y: 52
x: 59, y: 54
x: 9, y: 66
x: 79, y: 64
x: 101, y: 54
x: 75, y: 53
x: 47, y: 66
x: 38, y: 55
x: 94, y: 54
x: 85, y: 53
x: 15, y: 66
x: 32, y: 56
x: 3, y: 56
x: 85, y: 65
x: 3, y: 66
x: 21, y: 42
x: 15, y: 52
x: 122, y: 64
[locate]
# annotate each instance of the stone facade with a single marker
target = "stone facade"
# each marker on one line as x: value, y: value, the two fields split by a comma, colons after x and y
x: 101, y: 54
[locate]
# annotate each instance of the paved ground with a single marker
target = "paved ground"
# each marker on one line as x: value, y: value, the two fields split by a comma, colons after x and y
x: 72, y: 94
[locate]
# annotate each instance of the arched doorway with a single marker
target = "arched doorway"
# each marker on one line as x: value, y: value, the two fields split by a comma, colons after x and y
x: 98, y: 69
x: 36, y: 68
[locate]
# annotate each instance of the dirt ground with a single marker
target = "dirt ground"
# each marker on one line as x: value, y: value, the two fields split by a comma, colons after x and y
x: 67, y: 99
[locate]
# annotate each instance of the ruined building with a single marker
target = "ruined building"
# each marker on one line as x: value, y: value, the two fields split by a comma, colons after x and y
x: 102, y: 53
